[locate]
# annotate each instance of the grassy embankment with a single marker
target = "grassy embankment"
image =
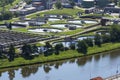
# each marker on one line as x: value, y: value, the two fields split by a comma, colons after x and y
x: 71, y: 12
x: 4, y: 63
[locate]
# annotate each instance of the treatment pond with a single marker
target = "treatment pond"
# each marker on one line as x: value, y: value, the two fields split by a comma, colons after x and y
x: 65, y: 25
x: 104, y: 65
x: 82, y: 21
x: 45, y: 30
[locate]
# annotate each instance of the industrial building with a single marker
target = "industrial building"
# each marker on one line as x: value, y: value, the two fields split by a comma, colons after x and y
x: 94, y: 3
x: 102, y: 3
x: 88, y: 3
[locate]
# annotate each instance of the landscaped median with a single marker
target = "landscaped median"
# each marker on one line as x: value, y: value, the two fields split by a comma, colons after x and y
x: 4, y: 63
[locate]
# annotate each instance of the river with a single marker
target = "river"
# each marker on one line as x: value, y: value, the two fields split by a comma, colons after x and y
x: 104, y: 65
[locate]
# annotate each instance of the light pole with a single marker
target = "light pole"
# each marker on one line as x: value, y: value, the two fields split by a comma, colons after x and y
x: 117, y: 72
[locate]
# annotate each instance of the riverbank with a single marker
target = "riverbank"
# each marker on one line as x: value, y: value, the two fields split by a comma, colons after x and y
x: 4, y: 63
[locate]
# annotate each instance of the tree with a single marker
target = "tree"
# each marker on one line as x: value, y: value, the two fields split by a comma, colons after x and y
x: 115, y: 1
x: 9, y: 26
x: 89, y: 42
x: 48, y: 52
x: 115, y: 33
x: 26, y: 51
x: 119, y: 3
x: 72, y: 46
x: 103, y: 21
x: 11, y: 53
x: 58, y: 4
x: 6, y: 15
x: 61, y: 47
x: 1, y: 52
x: 48, y: 45
x: 6, y: 2
x: 72, y: 3
x: 82, y: 47
x: 98, y: 40
x: 106, y: 38
x: 34, y: 49
x: 49, y: 49
x: 57, y: 47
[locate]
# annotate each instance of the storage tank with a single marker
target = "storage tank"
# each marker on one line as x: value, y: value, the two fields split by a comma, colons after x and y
x: 87, y: 3
x: 102, y: 3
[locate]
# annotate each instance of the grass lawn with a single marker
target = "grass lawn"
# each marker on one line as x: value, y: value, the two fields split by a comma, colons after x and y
x: 63, y: 55
x: 20, y: 29
x: 16, y: 29
x: 71, y: 32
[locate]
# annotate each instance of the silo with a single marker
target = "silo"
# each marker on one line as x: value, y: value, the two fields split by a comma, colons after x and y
x: 102, y: 3
x: 88, y: 3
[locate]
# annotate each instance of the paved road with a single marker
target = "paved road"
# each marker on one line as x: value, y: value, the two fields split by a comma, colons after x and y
x: 62, y: 37
x: 38, y: 12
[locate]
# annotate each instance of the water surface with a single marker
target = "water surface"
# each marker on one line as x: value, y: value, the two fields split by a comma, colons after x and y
x: 84, y: 68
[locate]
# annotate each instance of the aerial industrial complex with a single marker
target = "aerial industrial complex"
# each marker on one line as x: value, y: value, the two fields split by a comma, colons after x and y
x: 81, y: 38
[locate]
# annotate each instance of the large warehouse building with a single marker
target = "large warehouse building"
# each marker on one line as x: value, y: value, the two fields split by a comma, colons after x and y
x: 92, y: 3
x: 87, y: 3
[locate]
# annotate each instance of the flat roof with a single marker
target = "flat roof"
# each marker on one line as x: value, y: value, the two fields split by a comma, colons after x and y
x: 88, y: 0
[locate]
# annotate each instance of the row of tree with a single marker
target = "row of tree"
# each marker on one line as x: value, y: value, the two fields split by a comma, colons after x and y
x: 5, y: 2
